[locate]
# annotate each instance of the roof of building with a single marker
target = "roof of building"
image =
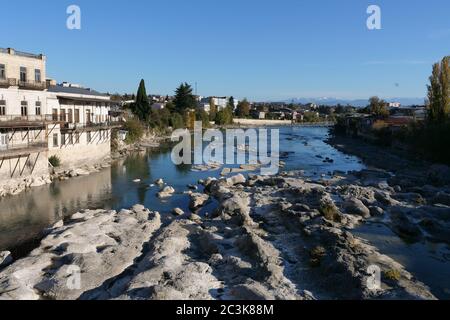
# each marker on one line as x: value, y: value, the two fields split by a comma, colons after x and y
x: 21, y: 53
x: 75, y: 90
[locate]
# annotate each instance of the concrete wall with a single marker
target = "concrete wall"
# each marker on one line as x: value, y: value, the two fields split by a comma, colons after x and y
x: 254, y: 122
x: 81, y: 153
x: 23, y: 167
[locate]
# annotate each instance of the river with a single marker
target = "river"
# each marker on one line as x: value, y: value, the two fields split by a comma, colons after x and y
x: 24, y: 217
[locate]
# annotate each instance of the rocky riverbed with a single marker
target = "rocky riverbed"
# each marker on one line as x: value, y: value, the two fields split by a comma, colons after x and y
x: 283, y: 237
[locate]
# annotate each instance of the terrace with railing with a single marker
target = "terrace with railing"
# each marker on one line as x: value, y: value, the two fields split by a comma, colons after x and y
x: 31, y: 121
x: 7, y: 82
x: 92, y: 126
x: 11, y: 150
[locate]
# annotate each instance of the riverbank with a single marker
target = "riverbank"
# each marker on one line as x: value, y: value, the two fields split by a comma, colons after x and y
x: 283, y: 237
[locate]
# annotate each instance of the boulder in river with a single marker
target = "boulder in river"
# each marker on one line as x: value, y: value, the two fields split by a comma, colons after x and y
x: 5, y: 259
x: 357, y: 207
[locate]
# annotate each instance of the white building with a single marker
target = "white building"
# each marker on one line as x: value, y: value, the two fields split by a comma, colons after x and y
x: 39, y: 119
x: 395, y: 105
x: 220, y: 103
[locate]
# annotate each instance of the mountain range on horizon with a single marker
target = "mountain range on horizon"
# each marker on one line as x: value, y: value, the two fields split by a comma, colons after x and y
x: 354, y: 102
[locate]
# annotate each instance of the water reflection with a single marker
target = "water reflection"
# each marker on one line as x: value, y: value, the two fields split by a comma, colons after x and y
x: 23, y: 217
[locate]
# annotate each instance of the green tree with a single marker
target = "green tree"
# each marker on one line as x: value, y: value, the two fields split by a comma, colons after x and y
x: 203, y: 116
x: 141, y: 107
x: 378, y: 107
x: 176, y: 121
x: 212, y: 109
x: 439, y: 91
x: 243, y: 109
x: 231, y: 103
x: 184, y: 99
x: 225, y: 116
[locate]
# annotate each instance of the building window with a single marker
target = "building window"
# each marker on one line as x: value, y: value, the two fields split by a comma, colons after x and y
x: 38, y: 108
x: 2, y: 72
x: 63, y: 115
x: 2, y: 107
x: 70, y: 115
x: 88, y: 117
x: 23, y: 74
x: 77, y: 115
x: 55, y: 114
x: 63, y: 139
x: 37, y: 75
x: 55, y: 140
x: 89, y: 137
x: 24, y: 108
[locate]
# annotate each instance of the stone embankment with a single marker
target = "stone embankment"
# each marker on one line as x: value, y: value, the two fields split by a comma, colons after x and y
x: 283, y: 237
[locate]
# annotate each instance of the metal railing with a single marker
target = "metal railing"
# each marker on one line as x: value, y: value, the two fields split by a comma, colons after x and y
x: 23, y: 146
x: 92, y: 125
x: 8, y: 82
x: 31, y: 118
x: 34, y: 85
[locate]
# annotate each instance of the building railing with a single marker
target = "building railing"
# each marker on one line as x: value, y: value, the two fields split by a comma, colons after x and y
x: 31, y: 118
x: 92, y: 125
x: 33, y: 85
x: 8, y: 82
x: 23, y: 146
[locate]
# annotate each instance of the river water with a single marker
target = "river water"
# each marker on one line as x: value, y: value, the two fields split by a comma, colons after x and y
x: 23, y: 217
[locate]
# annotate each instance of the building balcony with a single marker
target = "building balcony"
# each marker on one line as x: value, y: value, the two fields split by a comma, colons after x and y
x: 23, y: 149
x: 6, y: 83
x: 91, y: 126
x: 32, y: 121
x: 33, y: 85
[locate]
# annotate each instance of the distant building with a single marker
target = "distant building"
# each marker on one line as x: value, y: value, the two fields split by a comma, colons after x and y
x: 394, y: 105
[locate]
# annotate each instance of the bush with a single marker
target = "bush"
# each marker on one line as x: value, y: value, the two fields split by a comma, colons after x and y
x: 393, y: 275
x: 177, y: 121
x: 135, y: 131
x: 54, y: 161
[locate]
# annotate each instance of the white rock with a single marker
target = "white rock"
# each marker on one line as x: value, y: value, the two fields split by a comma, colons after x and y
x: 178, y: 212
x: 5, y: 259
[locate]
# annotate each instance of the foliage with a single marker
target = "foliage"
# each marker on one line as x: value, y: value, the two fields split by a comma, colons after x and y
x: 378, y: 107
x: 203, y: 116
x: 243, y: 109
x: 141, y: 107
x: 134, y: 129
x: 231, y: 104
x: 184, y: 99
x: 55, y: 161
x: 224, y: 117
x: 176, y: 121
x: 439, y: 91
x: 393, y: 275
x: 212, y: 110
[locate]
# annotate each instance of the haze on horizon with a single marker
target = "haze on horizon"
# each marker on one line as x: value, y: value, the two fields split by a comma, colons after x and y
x: 259, y: 49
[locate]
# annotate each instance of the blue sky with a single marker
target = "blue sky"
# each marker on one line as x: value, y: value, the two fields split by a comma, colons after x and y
x: 260, y: 49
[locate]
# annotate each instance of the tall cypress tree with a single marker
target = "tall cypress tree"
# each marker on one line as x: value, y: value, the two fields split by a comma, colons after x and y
x: 142, y: 107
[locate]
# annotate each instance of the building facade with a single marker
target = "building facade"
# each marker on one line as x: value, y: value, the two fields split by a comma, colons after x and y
x: 39, y: 119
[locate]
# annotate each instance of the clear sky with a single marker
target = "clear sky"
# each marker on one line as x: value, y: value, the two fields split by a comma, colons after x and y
x: 260, y: 49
